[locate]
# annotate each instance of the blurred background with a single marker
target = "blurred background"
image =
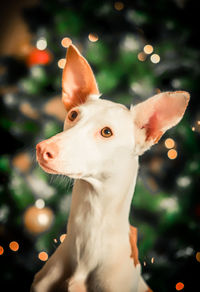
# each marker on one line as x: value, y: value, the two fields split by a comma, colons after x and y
x: 136, y: 49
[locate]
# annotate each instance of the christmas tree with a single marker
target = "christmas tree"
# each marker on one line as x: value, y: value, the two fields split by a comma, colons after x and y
x: 136, y: 49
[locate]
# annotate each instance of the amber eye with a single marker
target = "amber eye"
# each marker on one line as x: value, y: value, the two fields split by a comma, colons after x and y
x: 72, y: 115
x: 106, y: 132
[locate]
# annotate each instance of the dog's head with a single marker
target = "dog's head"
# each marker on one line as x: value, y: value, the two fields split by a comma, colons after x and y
x: 101, y: 136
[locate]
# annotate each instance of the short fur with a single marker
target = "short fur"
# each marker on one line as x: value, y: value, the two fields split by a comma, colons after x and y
x: 99, y: 253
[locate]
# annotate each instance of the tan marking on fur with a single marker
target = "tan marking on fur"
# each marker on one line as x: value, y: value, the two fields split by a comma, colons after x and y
x: 133, y: 242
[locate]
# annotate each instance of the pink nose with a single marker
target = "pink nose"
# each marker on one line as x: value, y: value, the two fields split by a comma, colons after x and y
x: 46, y: 152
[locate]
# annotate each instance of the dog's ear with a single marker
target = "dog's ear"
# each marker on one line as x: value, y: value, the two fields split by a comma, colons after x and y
x: 78, y: 81
x: 153, y: 117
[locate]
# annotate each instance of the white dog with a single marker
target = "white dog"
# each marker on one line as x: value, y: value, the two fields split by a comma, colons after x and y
x: 99, y: 148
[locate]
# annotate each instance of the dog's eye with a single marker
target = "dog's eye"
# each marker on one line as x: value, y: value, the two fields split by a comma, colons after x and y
x: 106, y: 132
x: 72, y: 115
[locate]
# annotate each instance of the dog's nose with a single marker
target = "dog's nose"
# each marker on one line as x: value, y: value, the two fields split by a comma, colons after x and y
x: 46, y: 151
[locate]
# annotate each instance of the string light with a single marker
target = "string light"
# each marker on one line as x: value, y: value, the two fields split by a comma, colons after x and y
x: 66, y: 42
x: 141, y: 56
x: 198, y: 123
x: 193, y: 129
x: 43, y: 256
x: 144, y: 263
x: 148, y: 49
x: 1, y: 250
x: 119, y: 5
x: 41, y: 44
x: 61, y: 63
x: 62, y: 237
x: 172, y: 154
x: 155, y: 58
x: 93, y: 37
x: 14, y: 245
x: 169, y: 143
x: 179, y: 286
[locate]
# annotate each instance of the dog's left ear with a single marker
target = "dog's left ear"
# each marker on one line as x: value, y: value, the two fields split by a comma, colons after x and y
x: 78, y: 81
x: 153, y: 117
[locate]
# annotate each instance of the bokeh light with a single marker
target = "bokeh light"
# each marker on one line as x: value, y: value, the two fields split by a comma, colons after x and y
x: 1, y: 250
x: 155, y: 58
x: 61, y: 63
x: 198, y: 256
x: 142, y: 56
x: 179, y: 286
x: 119, y: 5
x: 14, y: 245
x: 40, y: 203
x: 169, y: 143
x: 93, y: 37
x: 43, y: 256
x: 66, y: 42
x: 148, y: 49
x: 41, y: 44
x: 62, y: 237
x: 172, y: 154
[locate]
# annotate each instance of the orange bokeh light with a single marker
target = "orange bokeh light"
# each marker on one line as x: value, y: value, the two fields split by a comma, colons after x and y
x: 141, y: 56
x: 43, y: 256
x: 148, y: 49
x: 172, y: 154
x: 198, y: 256
x: 179, y: 286
x: 62, y: 237
x: 61, y: 63
x: 119, y: 5
x: 66, y: 42
x: 14, y: 246
x: 93, y: 37
x: 1, y: 250
x: 169, y: 143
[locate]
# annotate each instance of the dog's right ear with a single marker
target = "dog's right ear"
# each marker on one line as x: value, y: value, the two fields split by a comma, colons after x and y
x: 78, y: 81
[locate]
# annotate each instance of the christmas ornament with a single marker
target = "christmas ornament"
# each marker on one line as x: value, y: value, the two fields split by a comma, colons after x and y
x: 38, y: 57
x: 38, y: 220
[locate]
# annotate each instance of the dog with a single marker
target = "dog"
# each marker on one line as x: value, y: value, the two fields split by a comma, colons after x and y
x: 99, y: 148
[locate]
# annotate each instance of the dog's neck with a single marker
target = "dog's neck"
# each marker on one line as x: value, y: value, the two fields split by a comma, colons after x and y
x: 106, y: 199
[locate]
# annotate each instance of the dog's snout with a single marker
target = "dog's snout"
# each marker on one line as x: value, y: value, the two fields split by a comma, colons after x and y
x: 46, y: 151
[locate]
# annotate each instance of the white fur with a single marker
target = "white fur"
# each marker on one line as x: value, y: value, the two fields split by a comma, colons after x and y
x: 96, y: 252
x: 98, y: 228
x: 97, y: 247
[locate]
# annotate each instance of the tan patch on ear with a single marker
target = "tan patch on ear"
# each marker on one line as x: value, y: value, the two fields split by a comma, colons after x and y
x: 133, y: 242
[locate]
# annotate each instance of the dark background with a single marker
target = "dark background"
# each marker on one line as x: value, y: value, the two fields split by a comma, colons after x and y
x: 166, y: 204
